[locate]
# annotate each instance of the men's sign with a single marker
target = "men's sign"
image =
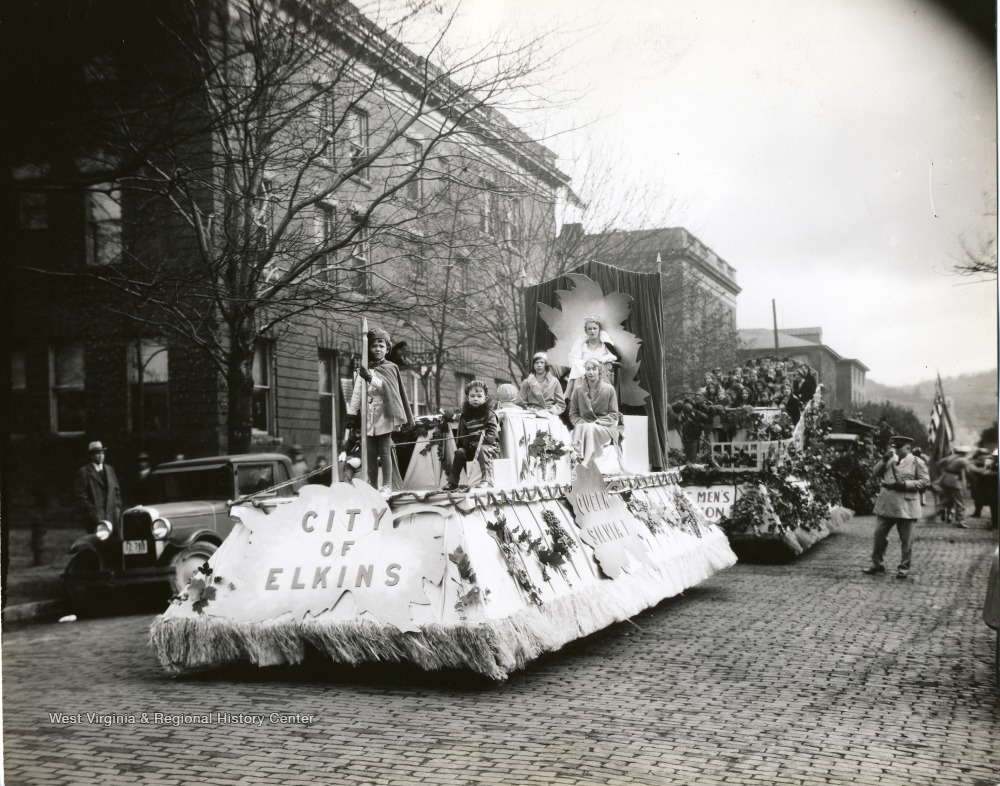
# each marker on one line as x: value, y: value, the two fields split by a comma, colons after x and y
x: 716, y: 502
x: 327, y: 547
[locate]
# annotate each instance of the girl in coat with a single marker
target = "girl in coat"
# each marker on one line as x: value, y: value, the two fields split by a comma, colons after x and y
x: 541, y: 391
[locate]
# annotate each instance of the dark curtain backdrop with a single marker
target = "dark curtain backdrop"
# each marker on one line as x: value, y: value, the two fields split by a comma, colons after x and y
x: 645, y: 320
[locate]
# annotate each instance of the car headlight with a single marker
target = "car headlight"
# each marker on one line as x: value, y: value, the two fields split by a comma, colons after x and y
x: 104, y: 530
x: 161, y: 528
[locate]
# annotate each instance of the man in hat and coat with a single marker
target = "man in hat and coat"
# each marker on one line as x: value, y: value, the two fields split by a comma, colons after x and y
x: 97, y: 491
x: 902, y: 477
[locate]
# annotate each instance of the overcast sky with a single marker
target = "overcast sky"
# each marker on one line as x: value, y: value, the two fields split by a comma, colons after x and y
x: 832, y: 152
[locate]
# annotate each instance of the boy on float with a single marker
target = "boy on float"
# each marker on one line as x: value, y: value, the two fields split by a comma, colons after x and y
x: 478, y: 428
x: 388, y: 408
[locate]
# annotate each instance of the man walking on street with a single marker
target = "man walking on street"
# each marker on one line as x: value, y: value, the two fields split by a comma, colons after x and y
x: 902, y: 477
x: 97, y: 491
x: 954, y: 472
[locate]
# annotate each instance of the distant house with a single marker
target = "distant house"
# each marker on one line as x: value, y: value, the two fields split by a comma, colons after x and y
x: 843, y: 379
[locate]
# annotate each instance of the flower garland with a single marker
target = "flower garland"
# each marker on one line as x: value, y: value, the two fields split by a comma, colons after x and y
x: 468, y: 579
x: 543, y: 451
x: 515, y: 543
x: 689, y: 513
x: 201, y: 590
x: 511, y: 553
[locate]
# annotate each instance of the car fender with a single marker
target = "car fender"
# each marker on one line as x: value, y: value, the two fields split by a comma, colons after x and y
x: 86, y: 543
x: 188, y: 537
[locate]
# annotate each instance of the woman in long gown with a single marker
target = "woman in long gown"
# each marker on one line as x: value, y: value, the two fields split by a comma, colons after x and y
x: 541, y: 391
x: 596, y: 344
x: 593, y: 411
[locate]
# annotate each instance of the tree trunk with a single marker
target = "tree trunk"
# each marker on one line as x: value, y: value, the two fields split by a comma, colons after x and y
x: 239, y: 378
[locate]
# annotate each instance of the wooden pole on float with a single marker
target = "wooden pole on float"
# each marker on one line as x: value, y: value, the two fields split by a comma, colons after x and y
x: 364, y: 404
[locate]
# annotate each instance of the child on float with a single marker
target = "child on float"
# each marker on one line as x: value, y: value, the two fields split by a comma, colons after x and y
x: 541, y: 392
x: 506, y: 397
x: 593, y: 410
x: 478, y: 428
x: 388, y: 408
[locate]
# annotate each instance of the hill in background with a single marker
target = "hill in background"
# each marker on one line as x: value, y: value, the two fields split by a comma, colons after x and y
x: 973, y: 401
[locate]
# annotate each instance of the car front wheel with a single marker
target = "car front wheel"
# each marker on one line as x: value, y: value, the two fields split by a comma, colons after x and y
x: 85, y: 600
x: 186, y: 561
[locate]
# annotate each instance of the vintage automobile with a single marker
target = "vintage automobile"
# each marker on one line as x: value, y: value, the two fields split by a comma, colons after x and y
x: 182, y: 521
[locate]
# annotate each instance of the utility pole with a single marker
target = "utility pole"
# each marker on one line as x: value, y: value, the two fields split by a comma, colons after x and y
x: 774, y: 316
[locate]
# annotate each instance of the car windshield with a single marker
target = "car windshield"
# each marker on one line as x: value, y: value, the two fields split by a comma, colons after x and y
x: 208, y: 483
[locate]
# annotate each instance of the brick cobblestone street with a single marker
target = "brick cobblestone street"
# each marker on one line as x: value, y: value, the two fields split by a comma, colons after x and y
x: 806, y: 672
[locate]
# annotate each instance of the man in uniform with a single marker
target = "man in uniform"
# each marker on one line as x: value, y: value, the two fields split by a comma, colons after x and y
x: 97, y: 491
x: 902, y: 477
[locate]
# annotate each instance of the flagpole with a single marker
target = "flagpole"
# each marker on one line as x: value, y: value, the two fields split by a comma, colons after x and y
x: 364, y: 402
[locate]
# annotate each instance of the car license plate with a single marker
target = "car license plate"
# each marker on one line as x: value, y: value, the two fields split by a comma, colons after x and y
x: 135, y: 547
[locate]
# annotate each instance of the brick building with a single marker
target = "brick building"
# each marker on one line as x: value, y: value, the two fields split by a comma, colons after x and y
x: 83, y: 367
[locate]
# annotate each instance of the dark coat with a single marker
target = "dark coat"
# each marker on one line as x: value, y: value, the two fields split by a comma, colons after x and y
x: 99, y: 498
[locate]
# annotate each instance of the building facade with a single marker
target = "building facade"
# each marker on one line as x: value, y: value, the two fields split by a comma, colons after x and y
x: 371, y: 201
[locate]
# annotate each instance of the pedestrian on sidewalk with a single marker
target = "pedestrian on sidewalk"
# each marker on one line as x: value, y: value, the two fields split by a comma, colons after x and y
x: 902, y: 477
x: 97, y: 491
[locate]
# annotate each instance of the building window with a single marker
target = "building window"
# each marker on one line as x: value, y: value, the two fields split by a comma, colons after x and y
x: 104, y: 226
x: 326, y: 231
x: 68, y: 404
x: 461, y: 380
x: 461, y: 285
x: 414, y: 154
x: 327, y: 121
x: 488, y: 210
x: 264, y: 207
x: 148, y: 376
x: 263, y: 402
x: 357, y: 139
x: 416, y: 389
x: 512, y: 222
x: 33, y: 210
x: 18, y: 392
x: 419, y: 264
x: 327, y: 395
x: 356, y: 273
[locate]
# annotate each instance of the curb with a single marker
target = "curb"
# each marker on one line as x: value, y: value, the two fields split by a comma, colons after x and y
x: 29, y: 612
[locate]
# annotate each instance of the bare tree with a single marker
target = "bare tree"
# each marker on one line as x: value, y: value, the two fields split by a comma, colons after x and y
x: 979, y: 247
x: 271, y: 164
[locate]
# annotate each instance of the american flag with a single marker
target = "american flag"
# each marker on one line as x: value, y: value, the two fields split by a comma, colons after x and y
x: 941, y: 432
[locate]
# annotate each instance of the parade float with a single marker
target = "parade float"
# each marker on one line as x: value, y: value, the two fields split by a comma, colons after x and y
x: 486, y: 578
x: 762, y: 478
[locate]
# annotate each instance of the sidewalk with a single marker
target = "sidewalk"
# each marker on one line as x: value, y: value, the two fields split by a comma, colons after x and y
x: 35, y: 592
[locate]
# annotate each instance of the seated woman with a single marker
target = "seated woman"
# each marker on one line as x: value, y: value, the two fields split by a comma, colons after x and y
x: 593, y: 411
x: 541, y: 392
x: 595, y: 344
